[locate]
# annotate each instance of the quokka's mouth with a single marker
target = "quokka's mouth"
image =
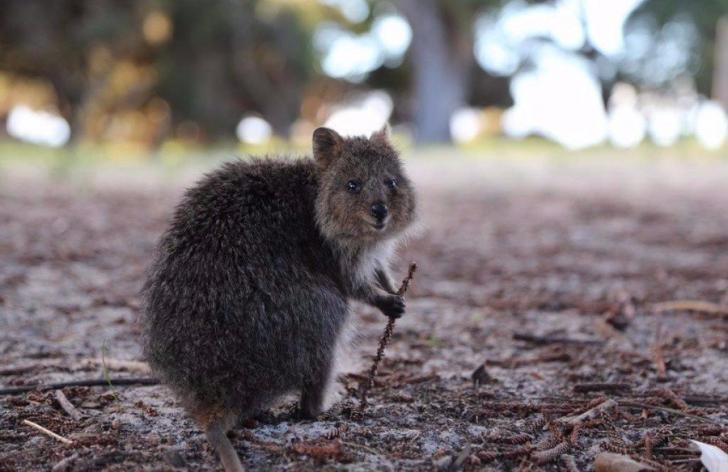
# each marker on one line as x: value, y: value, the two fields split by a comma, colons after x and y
x: 377, y: 225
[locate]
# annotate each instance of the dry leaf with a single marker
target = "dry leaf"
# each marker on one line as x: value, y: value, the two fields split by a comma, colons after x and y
x: 611, y: 462
x: 713, y: 458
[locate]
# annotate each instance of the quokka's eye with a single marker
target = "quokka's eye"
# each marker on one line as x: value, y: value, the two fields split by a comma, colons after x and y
x: 391, y: 183
x: 353, y: 186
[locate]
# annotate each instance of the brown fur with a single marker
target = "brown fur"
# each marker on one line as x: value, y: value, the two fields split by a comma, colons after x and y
x: 249, y: 292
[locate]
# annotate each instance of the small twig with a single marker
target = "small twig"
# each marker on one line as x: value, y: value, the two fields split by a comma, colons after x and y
x: 542, y: 457
x: 48, y: 432
x: 515, y: 362
x: 668, y: 394
x: 111, y: 364
x: 620, y: 461
x: 697, y: 306
x: 20, y: 369
x: 700, y: 400
x: 541, y: 340
x: 658, y: 356
x: 65, y: 464
x: 79, y: 383
x: 602, y: 387
x: 633, y: 404
x: 684, y: 461
x: 67, y: 405
x: 117, y: 364
x: 383, y: 341
x: 589, y: 414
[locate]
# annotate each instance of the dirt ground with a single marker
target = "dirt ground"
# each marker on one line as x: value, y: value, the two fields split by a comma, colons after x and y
x: 537, y: 298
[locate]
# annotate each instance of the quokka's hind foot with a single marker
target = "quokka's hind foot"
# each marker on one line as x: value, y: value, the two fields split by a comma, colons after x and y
x: 317, y: 393
x: 220, y: 442
x: 216, y: 425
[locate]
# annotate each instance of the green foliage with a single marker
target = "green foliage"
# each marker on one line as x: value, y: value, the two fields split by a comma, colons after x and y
x: 704, y: 14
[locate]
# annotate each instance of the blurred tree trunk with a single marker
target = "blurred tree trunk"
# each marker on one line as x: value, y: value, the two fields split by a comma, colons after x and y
x: 720, y: 71
x: 441, y: 54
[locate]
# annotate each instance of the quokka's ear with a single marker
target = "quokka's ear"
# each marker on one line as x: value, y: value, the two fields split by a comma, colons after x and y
x: 327, y: 145
x: 382, y: 135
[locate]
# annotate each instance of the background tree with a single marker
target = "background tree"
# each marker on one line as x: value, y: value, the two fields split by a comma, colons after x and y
x: 442, y: 56
x: 58, y: 41
x: 231, y: 59
x: 206, y: 64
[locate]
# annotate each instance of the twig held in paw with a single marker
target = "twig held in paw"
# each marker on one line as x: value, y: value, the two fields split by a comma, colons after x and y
x: 383, y: 341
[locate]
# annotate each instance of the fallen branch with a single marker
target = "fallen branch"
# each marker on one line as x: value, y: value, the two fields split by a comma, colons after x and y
x: 697, y: 306
x: 79, y: 383
x: 47, y: 432
x: 383, y: 341
x: 67, y: 405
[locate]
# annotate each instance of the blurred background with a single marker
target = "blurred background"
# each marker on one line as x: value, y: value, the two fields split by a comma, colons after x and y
x: 133, y: 78
x: 570, y: 159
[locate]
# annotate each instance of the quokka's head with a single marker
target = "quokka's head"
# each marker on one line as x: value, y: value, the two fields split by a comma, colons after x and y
x: 364, y: 195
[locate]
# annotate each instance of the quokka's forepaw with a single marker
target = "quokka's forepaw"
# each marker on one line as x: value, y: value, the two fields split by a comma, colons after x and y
x: 392, y: 306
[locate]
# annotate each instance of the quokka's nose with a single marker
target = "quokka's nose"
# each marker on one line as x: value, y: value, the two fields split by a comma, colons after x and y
x: 379, y: 211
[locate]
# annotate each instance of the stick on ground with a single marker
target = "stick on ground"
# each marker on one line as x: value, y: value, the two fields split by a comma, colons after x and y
x: 383, y: 341
x: 79, y: 383
x: 589, y: 414
x: 698, y: 306
x: 67, y: 405
x: 645, y: 406
x: 47, y: 432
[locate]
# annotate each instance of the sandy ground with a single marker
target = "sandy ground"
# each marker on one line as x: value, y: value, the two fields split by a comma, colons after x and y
x: 543, y: 274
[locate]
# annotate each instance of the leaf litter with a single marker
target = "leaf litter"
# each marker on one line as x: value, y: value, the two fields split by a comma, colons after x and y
x: 553, y: 319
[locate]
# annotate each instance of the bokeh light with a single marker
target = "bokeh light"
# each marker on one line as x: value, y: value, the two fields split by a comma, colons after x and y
x: 254, y: 130
x: 38, y: 127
